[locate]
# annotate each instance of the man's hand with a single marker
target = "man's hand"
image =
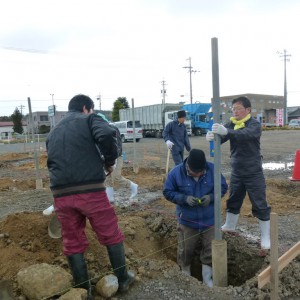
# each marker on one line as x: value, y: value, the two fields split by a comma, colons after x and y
x: 219, y: 129
x: 205, y: 200
x: 169, y: 144
x: 210, y: 136
x: 110, y: 169
x: 192, y: 201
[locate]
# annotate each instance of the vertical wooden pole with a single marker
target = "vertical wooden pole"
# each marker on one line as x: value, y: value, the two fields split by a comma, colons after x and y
x: 219, y: 263
x: 38, y: 181
x: 274, y: 256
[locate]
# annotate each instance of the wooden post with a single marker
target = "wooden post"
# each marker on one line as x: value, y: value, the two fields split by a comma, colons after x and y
x: 219, y: 263
x: 274, y: 256
x: 135, y: 163
x: 265, y: 276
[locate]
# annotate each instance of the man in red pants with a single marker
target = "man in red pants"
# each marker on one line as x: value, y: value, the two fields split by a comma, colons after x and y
x: 81, y: 148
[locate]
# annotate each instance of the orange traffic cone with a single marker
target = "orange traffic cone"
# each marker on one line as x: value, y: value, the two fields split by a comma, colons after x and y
x: 296, y: 171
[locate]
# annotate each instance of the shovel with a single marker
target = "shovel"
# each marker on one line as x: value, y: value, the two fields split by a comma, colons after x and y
x: 164, y: 177
x: 54, y: 228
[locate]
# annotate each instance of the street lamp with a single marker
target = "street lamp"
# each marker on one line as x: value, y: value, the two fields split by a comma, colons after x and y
x: 99, y: 98
x: 53, y: 107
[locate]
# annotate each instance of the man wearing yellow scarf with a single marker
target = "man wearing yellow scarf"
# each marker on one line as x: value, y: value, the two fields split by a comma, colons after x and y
x: 244, y: 134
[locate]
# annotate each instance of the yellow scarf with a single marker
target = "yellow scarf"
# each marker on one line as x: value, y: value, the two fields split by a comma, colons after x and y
x: 238, y: 124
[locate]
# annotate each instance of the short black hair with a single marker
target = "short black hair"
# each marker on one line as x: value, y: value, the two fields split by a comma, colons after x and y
x: 243, y: 100
x: 79, y: 101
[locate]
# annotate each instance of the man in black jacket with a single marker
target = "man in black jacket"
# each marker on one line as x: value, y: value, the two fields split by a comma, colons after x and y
x: 244, y: 134
x: 81, y: 149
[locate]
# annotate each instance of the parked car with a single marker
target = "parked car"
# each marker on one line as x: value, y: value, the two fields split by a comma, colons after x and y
x: 126, y: 130
x: 294, y: 123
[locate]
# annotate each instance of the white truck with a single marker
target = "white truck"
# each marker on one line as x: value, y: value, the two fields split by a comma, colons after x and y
x: 154, y: 118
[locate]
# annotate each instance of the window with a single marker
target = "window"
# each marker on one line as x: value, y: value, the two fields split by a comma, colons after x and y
x: 44, y: 118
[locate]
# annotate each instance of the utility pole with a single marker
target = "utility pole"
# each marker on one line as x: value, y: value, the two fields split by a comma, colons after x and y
x: 99, y: 98
x: 163, y: 91
x: 21, y: 108
x: 190, y: 71
x: 285, y: 59
x: 53, y: 117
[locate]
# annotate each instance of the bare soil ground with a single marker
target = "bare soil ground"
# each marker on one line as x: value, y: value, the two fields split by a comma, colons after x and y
x: 149, y: 225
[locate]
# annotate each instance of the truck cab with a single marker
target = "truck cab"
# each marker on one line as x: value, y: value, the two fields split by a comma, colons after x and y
x: 199, y: 117
x: 172, y: 115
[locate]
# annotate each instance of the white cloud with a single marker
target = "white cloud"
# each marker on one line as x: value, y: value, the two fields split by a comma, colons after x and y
x: 126, y: 48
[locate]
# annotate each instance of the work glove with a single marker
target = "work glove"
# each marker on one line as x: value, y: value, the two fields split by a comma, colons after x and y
x: 205, y: 200
x: 169, y: 144
x: 110, y: 168
x: 219, y: 129
x: 192, y: 201
x: 210, y: 136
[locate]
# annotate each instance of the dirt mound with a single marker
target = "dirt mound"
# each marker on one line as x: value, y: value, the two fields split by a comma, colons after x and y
x: 151, y: 236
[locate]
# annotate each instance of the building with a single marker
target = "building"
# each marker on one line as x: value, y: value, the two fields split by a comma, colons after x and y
x: 265, y: 108
x: 42, y: 122
x: 293, y: 112
x: 6, y: 130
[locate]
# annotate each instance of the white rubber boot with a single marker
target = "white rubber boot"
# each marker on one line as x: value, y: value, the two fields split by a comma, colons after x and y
x: 231, y: 221
x: 134, y: 189
x: 110, y: 194
x: 265, y: 234
x: 186, y: 270
x: 48, y: 211
x: 207, y: 275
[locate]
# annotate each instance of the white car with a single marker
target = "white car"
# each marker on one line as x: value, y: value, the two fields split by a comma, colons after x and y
x: 294, y: 123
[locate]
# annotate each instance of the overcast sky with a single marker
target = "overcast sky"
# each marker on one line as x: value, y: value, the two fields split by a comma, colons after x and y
x: 126, y: 48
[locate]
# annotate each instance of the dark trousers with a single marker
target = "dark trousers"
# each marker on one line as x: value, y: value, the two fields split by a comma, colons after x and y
x: 189, y: 239
x: 177, y: 156
x: 255, y: 186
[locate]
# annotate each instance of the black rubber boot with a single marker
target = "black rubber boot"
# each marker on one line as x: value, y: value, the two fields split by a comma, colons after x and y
x: 116, y: 255
x: 79, y: 271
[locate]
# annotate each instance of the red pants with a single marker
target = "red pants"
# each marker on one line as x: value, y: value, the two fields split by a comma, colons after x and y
x: 72, y: 212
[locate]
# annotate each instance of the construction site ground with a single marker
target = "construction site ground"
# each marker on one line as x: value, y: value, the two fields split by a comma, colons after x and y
x: 149, y: 223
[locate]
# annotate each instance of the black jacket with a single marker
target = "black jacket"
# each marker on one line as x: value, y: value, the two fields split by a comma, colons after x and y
x: 245, y: 148
x: 78, y: 148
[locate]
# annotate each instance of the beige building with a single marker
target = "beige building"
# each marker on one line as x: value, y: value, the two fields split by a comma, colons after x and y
x: 263, y: 107
x: 41, y: 118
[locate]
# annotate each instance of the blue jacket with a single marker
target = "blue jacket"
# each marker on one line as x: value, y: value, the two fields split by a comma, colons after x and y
x: 177, y: 134
x: 179, y: 185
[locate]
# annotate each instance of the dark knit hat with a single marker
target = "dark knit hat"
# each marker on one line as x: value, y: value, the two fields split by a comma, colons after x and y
x: 181, y: 114
x: 196, y: 160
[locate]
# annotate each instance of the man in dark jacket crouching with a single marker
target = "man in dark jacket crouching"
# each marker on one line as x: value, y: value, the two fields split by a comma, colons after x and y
x: 82, y: 148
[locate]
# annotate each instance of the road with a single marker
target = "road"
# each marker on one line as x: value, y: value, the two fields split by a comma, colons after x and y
x: 277, y: 146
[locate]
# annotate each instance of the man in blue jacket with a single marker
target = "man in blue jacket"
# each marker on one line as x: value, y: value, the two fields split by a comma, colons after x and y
x: 244, y: 134
x: 176, y: 137
x: 190, y: 185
